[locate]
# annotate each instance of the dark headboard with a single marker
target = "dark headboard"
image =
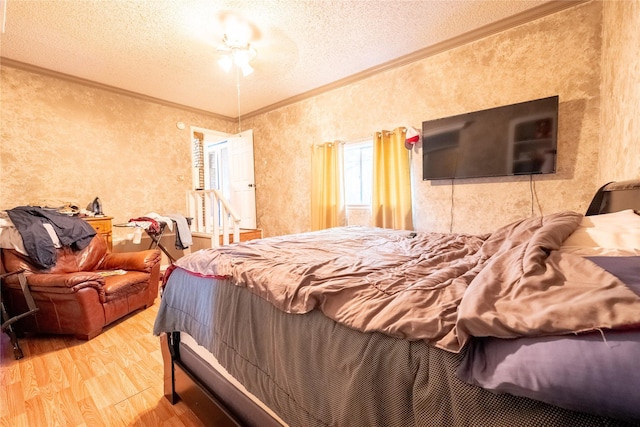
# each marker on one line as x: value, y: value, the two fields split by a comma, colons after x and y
x: 616, y: 196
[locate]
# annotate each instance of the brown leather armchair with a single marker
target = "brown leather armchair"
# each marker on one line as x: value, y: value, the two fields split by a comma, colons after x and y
x: 78, y: 296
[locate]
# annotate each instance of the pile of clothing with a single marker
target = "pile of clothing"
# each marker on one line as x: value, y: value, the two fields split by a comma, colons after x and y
x: 154, y: 224
x: 37, y: 232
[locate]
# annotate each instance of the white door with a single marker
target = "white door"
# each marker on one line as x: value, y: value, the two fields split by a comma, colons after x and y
x: 241, y: 178
x: 228, y: 167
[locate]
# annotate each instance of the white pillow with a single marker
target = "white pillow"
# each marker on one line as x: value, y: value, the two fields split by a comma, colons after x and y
x: 615, y: 230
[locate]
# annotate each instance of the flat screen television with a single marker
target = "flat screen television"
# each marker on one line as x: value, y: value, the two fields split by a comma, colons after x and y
x: 516, y: 139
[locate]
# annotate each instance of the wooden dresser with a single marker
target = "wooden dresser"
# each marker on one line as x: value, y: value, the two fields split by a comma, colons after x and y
x: 102, y: 225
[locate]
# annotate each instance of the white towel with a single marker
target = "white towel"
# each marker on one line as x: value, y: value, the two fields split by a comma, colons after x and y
x: 160, y: 218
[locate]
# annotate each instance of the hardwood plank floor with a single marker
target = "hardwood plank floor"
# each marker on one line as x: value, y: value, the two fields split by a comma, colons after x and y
x: 114, y: 379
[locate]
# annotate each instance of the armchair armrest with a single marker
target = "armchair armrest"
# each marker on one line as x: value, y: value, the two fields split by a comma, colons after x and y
x: 66, y: 280
x: 131, y: 261
x: 65, y: 283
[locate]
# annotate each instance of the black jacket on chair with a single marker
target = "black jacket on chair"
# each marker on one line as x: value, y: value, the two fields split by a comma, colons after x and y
x: 30, y: 220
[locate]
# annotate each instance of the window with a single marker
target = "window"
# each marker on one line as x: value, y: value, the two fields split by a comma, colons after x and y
x: 217, y: 168
x: 358, y: 173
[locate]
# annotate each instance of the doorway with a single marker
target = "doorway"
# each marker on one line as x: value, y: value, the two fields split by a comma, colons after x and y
x: 225, y: 162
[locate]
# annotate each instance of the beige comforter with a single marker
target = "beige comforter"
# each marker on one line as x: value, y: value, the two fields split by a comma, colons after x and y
x: 442, y: 288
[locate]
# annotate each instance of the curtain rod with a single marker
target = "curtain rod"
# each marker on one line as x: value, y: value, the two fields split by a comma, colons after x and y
x: 327, y: 143
x: 388, y: 132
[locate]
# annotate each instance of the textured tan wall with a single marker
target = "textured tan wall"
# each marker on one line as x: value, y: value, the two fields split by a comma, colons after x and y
x: 66, y: 140
x: 620, y: 105
x: 559, y: 54
x: 73, y: 142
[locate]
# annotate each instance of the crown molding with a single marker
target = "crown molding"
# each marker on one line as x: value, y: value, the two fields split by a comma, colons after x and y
x: 537, y: 12
x: 78, y: 80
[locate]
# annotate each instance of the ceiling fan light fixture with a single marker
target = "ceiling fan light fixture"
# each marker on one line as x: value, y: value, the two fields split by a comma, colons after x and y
x: 238, y: 53
x: 241, y: 57
x: 226, y: 63
x: 246, y: 69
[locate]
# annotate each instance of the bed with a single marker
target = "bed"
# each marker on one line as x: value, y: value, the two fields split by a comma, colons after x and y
x: 537, y: 323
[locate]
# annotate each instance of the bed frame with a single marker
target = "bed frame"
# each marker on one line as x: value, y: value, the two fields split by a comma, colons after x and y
x: 218, y: 403
x: 214, y: 400
x: 616, y: 196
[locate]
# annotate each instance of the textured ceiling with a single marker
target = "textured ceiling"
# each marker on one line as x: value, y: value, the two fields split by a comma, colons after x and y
x: 166, y: 49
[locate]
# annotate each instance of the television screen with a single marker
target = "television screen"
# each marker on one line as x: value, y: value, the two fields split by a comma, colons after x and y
x: 517, y: 139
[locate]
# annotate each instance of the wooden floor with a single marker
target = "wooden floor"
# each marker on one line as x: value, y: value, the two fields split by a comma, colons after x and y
x: 114, y: 379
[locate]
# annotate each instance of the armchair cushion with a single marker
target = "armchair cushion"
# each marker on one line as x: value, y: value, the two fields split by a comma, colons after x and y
x: 117, y: 286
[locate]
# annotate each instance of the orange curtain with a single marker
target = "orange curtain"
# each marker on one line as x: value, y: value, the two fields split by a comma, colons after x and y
x: 391, y: 198
x: 327, y: 186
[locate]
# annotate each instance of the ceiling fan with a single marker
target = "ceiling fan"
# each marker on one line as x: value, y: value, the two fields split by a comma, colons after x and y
x: 236, y: 48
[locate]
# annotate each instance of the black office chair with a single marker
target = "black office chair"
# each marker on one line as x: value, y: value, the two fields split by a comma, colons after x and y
x: 8, y: 321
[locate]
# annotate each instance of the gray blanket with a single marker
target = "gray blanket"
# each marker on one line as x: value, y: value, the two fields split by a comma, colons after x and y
x: 313, y: 371
x: 440, y: 288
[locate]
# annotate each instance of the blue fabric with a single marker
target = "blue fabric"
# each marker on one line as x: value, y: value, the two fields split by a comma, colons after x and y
x: 595, y: 373
x: 627, y: 269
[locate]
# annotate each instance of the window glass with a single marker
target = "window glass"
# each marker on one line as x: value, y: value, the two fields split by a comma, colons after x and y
x: 358, y: 172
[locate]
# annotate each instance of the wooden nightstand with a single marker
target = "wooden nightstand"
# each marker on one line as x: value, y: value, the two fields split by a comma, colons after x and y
x: 102, y: 225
